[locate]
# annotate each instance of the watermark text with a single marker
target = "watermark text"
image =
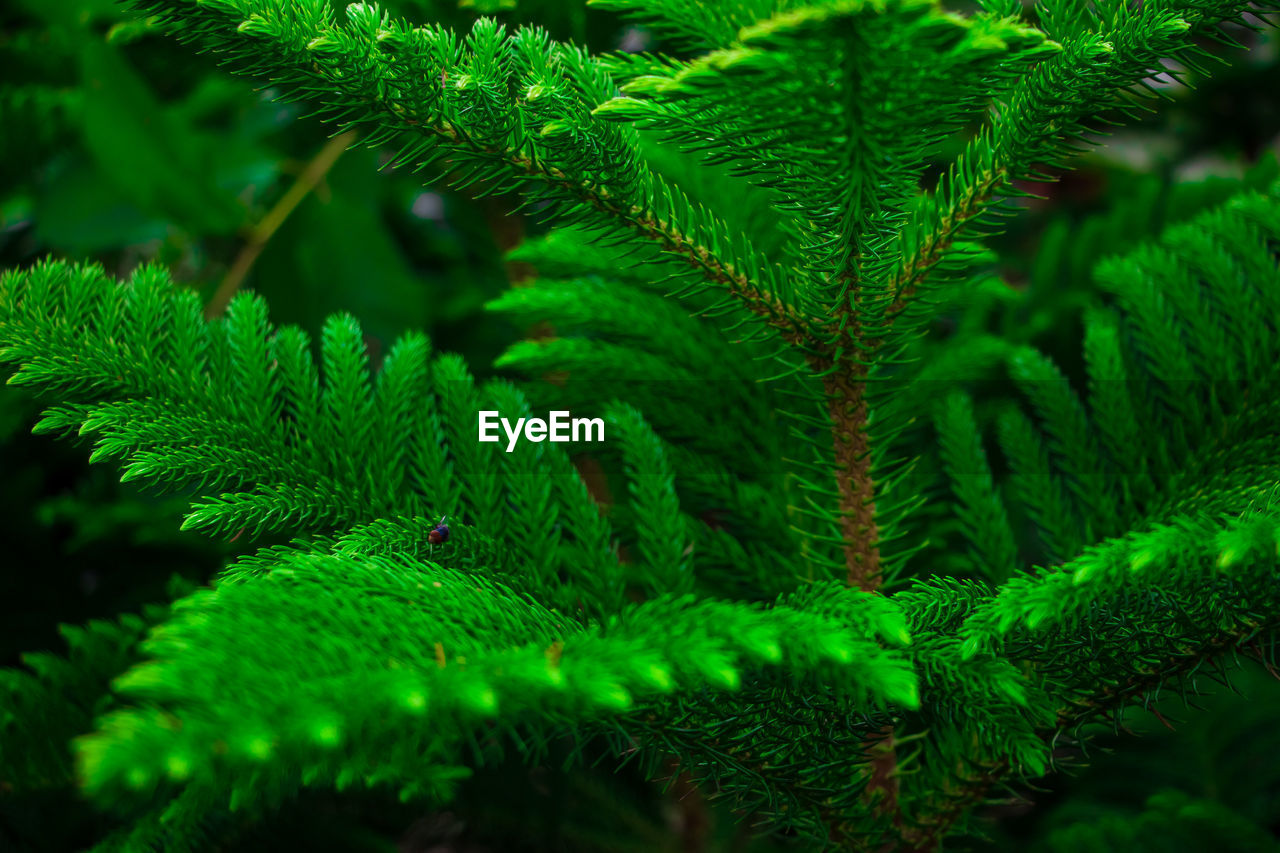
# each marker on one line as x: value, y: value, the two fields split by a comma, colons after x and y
x: 558, y: 427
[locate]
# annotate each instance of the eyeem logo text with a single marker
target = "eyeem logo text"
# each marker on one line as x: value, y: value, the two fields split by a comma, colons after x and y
x: 559, y: 427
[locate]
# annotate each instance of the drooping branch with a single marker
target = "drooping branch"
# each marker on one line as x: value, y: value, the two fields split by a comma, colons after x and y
x: 932, y: 824
x: 397, y: 90
x: 1043, y: 121
x: 793, y: 328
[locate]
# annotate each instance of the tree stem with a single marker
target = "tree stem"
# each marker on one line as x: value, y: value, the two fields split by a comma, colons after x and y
x: 846, y: 401
x: 848, y: 407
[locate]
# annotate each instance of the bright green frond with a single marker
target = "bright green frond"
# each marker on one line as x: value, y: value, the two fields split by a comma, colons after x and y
x: 287, y: 447
x: 348, y: 665
x: 512, y: 112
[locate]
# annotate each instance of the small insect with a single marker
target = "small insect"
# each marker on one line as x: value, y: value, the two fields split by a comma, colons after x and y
x: 440, y: 533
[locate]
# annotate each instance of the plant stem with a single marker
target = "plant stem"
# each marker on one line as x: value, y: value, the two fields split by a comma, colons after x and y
x: 848, y: 407
x: 508, y: 233
x: 259, y: 235
x: 847, y: 404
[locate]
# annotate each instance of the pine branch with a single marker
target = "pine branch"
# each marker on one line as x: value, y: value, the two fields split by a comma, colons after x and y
x: 934, y: 823
x: 440, y: 100
x: 279, y: 448
x: 337, y: 655
x: 1043, y: 119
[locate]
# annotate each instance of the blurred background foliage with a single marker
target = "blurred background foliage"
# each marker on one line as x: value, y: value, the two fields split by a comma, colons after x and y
x: 122, y: 146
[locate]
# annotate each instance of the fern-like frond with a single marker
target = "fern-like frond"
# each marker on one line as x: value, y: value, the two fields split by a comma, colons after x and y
x: 279, y: 448
x: 509, y: 112
x: 981, y: 509
x: 850, y: 72
x: 1043, y: 118
x: 1179, y: 397
x: 55, y: 698
x: 366, y: 670
x: 1172, y: 821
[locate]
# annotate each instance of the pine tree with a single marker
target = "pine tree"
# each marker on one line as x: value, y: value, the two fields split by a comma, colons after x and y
x: 844, y: 581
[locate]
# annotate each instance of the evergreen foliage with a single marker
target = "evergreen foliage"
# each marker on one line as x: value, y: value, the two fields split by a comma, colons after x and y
x: 742, y: 281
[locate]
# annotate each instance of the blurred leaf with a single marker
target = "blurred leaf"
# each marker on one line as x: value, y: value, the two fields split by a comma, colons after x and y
x: 336, y: 253
x: 155, y: 159
x: 131, y: 30
x: 73, y: 13
x: 83, y: 212
x: 14, y: 210
x: 244, y: 122
x: 487, y: 7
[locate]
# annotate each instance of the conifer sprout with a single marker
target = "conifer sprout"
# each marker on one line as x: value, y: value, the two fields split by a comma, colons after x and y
x: 817, y: 590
